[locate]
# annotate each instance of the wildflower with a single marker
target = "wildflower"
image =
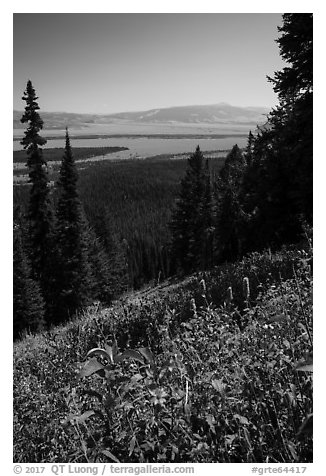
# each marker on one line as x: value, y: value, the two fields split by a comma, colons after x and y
x: 246, y: 288
x: 158, y: 396
x: 203, y: 286
x: 229, y: 295
x: 193, y: 306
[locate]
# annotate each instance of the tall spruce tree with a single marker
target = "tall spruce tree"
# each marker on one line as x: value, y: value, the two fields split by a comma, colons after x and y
x: 107, y: 265
x: 293, y: 119
x: 189, y: 224
x: 249, y: 149
x: 231, y: 216
x: 279, y: 181
x: 295, y: 80
x: 73, y: 279
x: 207, y: 223
x: 39, y: 208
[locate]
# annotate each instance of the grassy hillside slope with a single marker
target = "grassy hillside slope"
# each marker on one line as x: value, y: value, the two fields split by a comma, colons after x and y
x: 222, y: 372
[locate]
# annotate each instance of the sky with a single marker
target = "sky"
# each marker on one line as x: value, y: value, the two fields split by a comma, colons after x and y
x: 112, y: 62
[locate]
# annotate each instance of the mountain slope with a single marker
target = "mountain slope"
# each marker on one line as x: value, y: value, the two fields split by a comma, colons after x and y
x: 221, y: 382
x: 212, y: 114
x: 221, y: 113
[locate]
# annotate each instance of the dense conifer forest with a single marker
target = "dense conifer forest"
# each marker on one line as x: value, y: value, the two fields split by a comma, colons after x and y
x: 224, y: 247
x: 131, y: 201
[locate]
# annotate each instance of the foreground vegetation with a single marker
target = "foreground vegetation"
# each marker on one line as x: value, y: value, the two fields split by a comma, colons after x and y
x: 216, y: 368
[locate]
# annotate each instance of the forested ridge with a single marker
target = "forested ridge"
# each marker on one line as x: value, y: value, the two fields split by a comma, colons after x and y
x: 131, y: 200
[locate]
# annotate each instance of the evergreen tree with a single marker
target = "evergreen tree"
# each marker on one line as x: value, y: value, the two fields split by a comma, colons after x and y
x: 108, y: 257
x: 279, y: 182
x: 232, y: 171
x: 28, y: 304
x: 207, y: 218
x: 189, y: 224
x: 39, y: 209
x: 230, y: 215
x: 296, y: 47
x: 73, y: 278
x: 109, y: 269
x: 248, y: 155
x: 293, y: 119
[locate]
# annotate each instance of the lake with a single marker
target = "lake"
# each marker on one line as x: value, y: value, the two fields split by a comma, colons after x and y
x: 149, y: 146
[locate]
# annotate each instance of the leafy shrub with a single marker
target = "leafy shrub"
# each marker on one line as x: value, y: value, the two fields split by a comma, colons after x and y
x: 195, y: 379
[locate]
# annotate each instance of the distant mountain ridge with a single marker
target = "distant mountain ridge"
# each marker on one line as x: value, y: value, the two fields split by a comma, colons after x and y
x: 221, y: 113
x: 211, y: 114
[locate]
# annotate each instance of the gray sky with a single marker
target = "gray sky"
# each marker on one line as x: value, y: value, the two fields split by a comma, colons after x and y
x: 105, y: 63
